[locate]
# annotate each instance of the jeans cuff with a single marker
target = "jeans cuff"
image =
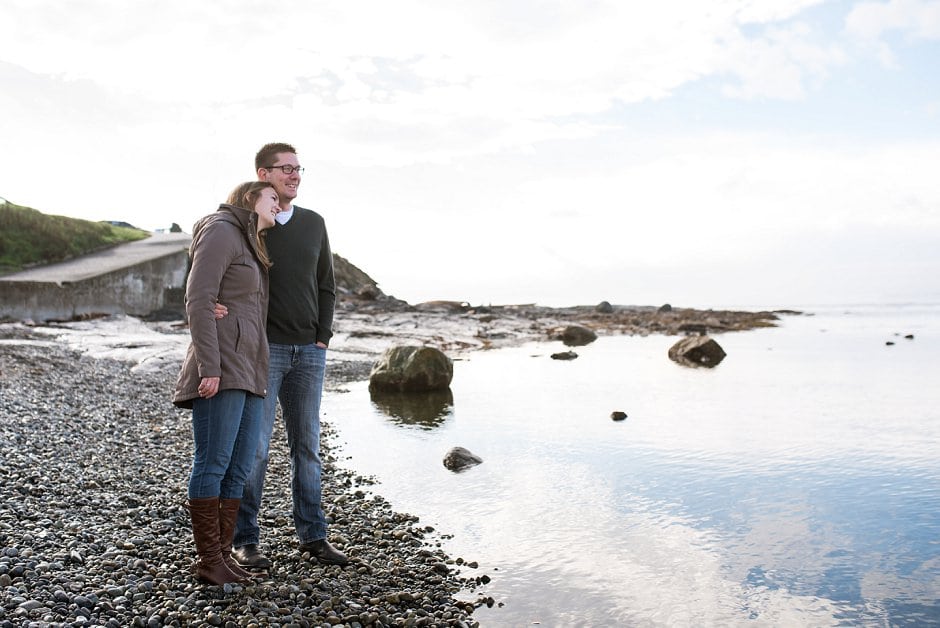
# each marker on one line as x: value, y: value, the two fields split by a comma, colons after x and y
x: 236, y: 543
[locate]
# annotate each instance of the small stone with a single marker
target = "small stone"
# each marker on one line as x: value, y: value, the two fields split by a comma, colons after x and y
x: 617, y: 415
x: 564, y: 355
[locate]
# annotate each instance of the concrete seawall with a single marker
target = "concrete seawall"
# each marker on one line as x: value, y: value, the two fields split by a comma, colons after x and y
x: 136, y: 278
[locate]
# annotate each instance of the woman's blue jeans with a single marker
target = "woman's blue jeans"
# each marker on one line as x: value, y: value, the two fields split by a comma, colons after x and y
x: 295, y: 378
x: 225, y: 435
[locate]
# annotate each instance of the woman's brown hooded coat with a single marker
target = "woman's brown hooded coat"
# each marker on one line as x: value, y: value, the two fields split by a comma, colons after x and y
x: 226, y: 269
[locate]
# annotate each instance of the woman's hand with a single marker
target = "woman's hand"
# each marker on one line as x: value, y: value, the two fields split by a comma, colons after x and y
x: 208, y: 387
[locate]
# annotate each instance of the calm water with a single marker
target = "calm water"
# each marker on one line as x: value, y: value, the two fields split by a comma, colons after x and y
x: 798, y: 483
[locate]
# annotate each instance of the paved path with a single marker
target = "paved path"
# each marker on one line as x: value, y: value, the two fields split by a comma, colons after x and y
x: 102, y: 262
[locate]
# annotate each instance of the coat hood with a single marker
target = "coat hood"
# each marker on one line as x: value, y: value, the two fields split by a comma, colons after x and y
x: 239, y: 216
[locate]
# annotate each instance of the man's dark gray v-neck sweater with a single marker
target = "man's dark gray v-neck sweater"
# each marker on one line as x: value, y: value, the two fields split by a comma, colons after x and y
x: 302, y: 286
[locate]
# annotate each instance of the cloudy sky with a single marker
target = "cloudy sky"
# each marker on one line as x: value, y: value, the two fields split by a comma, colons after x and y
x: 774, y: 153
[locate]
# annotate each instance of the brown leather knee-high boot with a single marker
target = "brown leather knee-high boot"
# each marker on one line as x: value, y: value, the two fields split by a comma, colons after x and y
x: 228, y: 512
x: 209, y: 565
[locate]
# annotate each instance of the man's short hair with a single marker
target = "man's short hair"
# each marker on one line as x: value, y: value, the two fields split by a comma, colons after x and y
x: 268, y: 154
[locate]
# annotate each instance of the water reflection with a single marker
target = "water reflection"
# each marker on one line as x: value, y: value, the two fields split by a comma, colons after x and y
x: 426, y: 410
x: 797, y: 485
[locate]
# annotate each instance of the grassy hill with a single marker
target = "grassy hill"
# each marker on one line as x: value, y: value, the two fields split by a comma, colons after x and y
x: 29, y: 237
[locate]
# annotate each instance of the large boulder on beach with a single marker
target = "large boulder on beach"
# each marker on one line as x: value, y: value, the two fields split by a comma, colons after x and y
x: 697, y: 351
x: 460, y: 458
x: 577, y: 336
x: 411, y: 369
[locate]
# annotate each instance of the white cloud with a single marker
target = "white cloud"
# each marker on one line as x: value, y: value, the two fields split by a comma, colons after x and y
x: 768, y: 11
x: 918, y: 19
x: 873, y: 23
x: 528, y: 62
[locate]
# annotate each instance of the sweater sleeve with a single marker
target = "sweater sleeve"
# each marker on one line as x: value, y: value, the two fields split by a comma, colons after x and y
x: 326, y: 291
x: 212, y: 253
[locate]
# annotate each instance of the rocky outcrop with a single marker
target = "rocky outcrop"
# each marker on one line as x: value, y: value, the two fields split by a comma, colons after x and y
x: 411, y: 369
x: 697, y: 351
x: 351, y: 281
x: 373, y: 326
x: 459, y: 458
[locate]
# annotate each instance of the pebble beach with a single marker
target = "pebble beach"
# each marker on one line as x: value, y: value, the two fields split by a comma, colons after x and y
x: 92, y: 529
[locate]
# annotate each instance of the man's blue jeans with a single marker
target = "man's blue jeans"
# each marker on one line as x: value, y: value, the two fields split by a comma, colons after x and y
x: 295, y: 378
x: 225, y: 434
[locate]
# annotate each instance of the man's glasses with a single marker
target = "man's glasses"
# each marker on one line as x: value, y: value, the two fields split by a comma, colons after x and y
x: 287, y: 169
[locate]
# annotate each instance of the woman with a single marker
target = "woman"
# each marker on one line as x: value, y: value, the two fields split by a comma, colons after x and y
x: 225, y: 372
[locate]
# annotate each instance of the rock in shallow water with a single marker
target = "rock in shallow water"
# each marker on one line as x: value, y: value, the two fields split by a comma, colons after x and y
x: 460, y: 458
x: 411, y: 369
x: 577, y: 336
x: 697, y: 351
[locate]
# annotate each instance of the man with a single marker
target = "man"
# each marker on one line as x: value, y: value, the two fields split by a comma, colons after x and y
x: 299, y: 327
